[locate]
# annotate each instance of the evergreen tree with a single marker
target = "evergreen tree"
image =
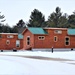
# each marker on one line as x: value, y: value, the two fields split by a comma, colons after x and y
x: 56, y: 19
x: 6, y: 28
x: 71, y: 20
x: 21, y: 23
x: 14, y: 29
x: 1, y: 20
x: 36, y: 19
x: 63, y: 21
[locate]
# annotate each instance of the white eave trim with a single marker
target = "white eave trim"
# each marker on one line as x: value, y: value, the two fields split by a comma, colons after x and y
x: 10, y: 33
x: 55, y: 28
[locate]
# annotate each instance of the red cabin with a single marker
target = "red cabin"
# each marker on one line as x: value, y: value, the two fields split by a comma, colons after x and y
x: 45, y: 38
x: 8, y: 41
x: 38, y: 38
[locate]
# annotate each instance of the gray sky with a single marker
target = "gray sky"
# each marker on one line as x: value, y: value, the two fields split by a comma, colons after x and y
x: 14, y: 10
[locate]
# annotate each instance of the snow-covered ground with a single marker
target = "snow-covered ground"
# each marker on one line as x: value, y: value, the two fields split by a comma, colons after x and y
x: 14, y: 65
x: 65, y: 54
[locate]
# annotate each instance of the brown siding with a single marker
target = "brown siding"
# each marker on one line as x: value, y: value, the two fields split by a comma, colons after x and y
x: 12, y: 44
x: 28, y: 33
x: 41, y: 43
x: 72, y: 41
x: 49, y: 42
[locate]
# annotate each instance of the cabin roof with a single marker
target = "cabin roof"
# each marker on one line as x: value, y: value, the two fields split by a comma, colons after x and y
x: 20, y: 36
x: 71, y: 31
x: 37, y: 30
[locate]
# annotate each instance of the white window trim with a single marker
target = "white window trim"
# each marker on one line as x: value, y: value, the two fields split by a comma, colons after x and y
x: 7, y: 41
x: 10, y: 36
x: 56, y: 38
x: 41, y: 37
x: 27, y: 40
x: 56, y: 32
x: 65, y: 40
x: 19, y: 44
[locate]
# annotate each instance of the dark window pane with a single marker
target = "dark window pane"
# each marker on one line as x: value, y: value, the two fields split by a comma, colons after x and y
x: 28, y: 43
x: 39, y: 37
x: 67, y: 43
x: 42, y: 37
x: 55, y: 39
x: 28, y: 38
x: 67, y: 39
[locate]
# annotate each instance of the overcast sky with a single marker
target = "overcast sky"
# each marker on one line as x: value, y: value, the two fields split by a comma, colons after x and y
x: 14, y: 10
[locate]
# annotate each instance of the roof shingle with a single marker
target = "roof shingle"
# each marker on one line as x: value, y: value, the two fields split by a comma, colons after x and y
x: 71, y: 31
x: 35, y: 30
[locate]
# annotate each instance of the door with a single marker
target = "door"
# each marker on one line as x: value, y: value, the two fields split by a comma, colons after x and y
x: 17, y: 43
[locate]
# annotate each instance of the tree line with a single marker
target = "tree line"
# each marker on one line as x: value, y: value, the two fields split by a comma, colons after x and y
x: 37, y: 19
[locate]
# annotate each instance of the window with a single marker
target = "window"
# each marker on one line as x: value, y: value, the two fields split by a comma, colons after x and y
x: 28, y: 40
x: 0, y: 35
x: 17, y: 43
x: 55, y: 38
x: 58, y: 32
x: 8, y: 42
x: 67, y: 41
x: 41, y: 37
x: 10, y: 36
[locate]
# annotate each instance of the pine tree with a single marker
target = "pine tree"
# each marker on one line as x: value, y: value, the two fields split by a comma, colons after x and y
x: 37, y: 19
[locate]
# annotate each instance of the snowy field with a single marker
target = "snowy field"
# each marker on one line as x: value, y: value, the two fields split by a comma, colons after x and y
x: 37, y: 63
